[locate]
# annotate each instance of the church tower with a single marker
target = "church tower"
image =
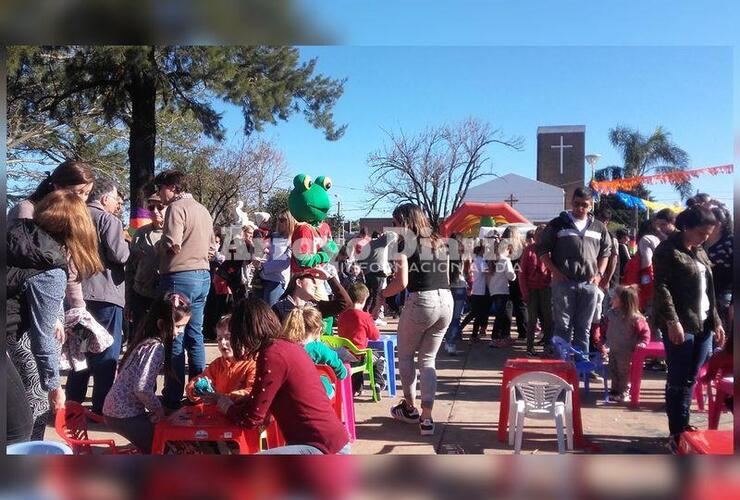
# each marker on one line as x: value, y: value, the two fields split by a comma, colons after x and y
x: 561, y: 157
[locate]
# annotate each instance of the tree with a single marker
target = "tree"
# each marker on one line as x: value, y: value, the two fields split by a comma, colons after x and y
x: 435, y: 168
x: 130, y: 84
x: 277, y: 203
x: 654, y: 154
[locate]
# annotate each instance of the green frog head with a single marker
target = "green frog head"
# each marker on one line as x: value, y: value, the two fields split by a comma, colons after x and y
x: 309, y: 200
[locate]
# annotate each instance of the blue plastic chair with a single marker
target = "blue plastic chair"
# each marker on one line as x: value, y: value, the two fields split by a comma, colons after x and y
x: 585, y: 363
x: 38, y: 448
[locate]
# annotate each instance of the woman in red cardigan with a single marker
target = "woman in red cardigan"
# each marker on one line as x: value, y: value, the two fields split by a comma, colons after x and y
x: 286, y: 385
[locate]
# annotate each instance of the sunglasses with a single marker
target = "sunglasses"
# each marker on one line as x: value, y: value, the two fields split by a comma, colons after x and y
x: 152, y: 208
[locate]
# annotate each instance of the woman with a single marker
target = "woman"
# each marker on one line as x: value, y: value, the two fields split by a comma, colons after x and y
x: 685, y: 308
x: 513, y: 237
x: 287, y: 386
x: 719, y: 248
x: 76, y: 177
x: 423, y: 267
x: 38, y: 252
x: 275, y: 271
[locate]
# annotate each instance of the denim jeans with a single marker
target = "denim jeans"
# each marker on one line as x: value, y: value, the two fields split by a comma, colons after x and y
x: 102, y: 366
x: 459, y: 298
x: 573, y: 306
x: 195, y: 286
x: 684, y: 361
x: 271, y: 291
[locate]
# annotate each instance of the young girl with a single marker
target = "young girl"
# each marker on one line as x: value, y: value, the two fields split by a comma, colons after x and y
x: 225, y: 375
x: 303, y: 326
x: 501, y: 273
x: 625, y: 328
x: 131, y: 407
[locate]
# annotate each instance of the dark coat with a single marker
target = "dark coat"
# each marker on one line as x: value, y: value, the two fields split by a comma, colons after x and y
x: 677, y: 293
x: 30, y: 251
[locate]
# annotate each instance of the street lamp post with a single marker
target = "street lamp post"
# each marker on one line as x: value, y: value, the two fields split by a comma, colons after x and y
x: 592, y: 160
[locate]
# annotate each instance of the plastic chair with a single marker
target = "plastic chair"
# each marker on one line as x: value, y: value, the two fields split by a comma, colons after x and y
x: 594, y: 362
x: 719, y: 390
x: 538, y: 395
x: 338, y: 401
x: 38, y: 448
x: 337, y: 342
x: 71, y: 425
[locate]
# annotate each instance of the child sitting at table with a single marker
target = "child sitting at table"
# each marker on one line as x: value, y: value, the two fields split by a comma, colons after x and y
x: 304, y: 326
x: 624, y: 329
x: 358, y: 326
x: 131, y: 407
x: 226, y: 374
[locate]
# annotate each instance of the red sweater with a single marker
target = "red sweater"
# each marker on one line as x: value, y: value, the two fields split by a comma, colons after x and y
x: 288, y: 386
x: 533, y: 274
x: 358, y: 326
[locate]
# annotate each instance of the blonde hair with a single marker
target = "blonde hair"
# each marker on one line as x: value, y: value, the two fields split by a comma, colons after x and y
x: 64, y: 216
x: 630, y: 301
x: 301, y: 322
x: 291, y: 222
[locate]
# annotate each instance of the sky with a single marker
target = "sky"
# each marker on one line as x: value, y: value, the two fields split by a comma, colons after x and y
x: 686, y: 90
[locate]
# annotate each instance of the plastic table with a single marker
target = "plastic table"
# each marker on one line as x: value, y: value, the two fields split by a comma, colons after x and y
x: 651, y: 350
x: 388, y: 344
x: 563, y: 369
x: 711, y: 442
x: 205, y: 423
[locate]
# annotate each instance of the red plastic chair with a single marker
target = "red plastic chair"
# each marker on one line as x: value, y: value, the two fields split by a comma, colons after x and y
x: 719, y: 389
x: 71, y: 425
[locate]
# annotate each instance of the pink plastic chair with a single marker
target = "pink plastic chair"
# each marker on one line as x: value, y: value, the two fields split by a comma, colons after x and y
x: 721, y: 388
x: 657, y: 350
x: 343, y: 402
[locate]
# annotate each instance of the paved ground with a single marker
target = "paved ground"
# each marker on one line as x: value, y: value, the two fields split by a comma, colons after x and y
x: 466, y: 413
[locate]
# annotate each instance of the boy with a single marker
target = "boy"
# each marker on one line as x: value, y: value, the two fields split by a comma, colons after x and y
x: 358, y: 326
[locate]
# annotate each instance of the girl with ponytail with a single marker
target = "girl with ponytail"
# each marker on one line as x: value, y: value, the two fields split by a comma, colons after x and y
x: 132, y: 406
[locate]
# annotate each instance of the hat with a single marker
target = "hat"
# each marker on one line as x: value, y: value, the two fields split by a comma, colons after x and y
x: 155, y: 197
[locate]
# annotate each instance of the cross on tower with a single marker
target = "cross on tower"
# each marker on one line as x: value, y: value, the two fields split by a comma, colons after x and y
x: 561, y: 147
x: 511, y: 200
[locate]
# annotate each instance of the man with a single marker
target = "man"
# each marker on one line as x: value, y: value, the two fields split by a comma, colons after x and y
x: 185, y: 248
x: 376, y: 269
x: 576, y: 249
x: 104, y: 295
x: 142, y: 269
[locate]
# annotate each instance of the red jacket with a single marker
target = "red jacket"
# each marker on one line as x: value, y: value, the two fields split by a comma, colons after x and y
x: 533, y: 274
x: 358, y: 327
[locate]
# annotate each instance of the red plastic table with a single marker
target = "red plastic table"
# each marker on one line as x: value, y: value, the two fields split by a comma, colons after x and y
x: 706, y: 443
x: 651, y: 350
x: 565, y: 370
x: 205, y: 423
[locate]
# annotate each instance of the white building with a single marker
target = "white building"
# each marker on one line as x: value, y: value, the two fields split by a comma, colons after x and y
x: 535, y: 200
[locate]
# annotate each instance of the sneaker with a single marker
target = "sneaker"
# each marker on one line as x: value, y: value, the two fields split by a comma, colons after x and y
x: 426, y: 427
x: 531, y: 353
x: 404, y: 414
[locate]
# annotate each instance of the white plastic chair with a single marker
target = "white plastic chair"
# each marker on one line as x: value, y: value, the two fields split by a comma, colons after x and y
x: 538, y: 395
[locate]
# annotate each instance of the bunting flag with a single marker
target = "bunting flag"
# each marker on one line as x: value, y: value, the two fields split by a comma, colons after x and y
x: 139, y: 217
x: 610, y: 187
x: 633, y: 201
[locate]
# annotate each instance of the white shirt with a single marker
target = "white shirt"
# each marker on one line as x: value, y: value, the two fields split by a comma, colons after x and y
x: 498, y: 283
x: 579, y: 223
x: 704, y: 305
x: 479, y: 267
x: 646, y: 246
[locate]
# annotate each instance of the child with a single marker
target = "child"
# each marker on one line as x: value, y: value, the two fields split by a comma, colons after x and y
x: 131, y: 407
x: 480, y: 299
x: 304, y: 326
x: 624, y: 329
x: 358, y: 326
x: 225, y: 375
x: 501, y: 273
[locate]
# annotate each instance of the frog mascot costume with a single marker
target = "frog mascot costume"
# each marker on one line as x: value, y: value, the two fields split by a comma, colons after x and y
x: 309, y: 204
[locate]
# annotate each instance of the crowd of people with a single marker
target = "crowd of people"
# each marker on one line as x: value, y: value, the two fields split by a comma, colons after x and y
x: 77, y: 281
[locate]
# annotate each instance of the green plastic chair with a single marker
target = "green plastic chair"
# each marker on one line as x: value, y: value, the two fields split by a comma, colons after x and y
x: 336, y: 342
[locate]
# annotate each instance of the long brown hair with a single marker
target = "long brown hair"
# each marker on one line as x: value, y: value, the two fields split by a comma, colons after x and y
x: 300, y: 323
x: 291, y: 223
x: 412, y: 217
x: 253, y: 327
x: 169, y: 308
x: 630, y: 301
x: 67, y: 174
x: 64, y: 216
